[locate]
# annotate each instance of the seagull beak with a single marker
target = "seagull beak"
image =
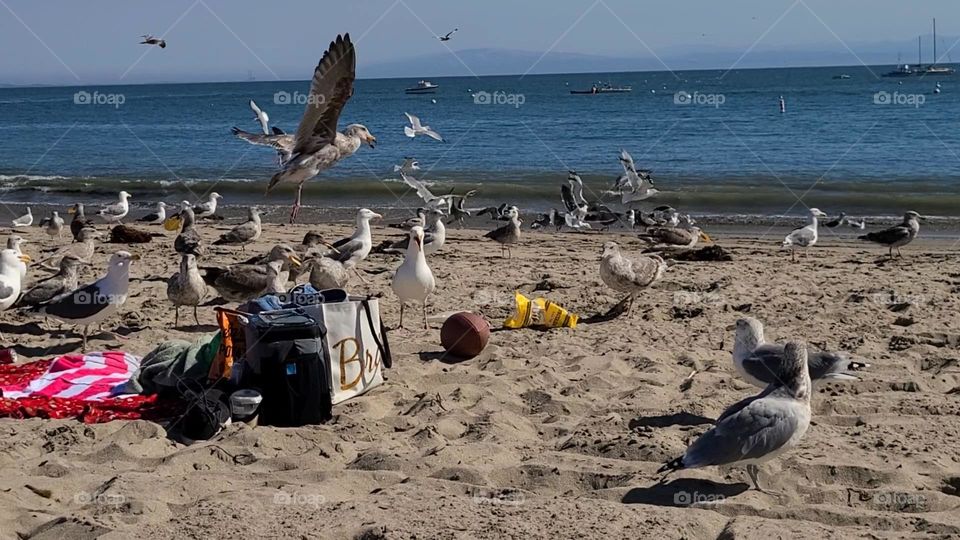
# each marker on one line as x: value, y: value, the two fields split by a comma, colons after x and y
x: 135, y: 257
x: 72, y: 210
x: 25, y: 258
x: 294, y: 260
x: 731, y: 327
x: 331, y: 246
x: 705, y: 237
x: 377, y: 216
x: 372, y: 141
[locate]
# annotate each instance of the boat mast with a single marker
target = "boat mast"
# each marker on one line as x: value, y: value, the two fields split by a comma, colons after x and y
x: 919, y: 52
x: 934, y: 42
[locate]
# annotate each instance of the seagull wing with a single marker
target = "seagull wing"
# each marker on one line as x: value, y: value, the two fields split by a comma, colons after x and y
x: 888, y: 236
x: 261, y: 117
x: 414, y: 121
x: 566, y: 195
x: 432, y: 134
x: 332, y: 86
x: 422, y: 191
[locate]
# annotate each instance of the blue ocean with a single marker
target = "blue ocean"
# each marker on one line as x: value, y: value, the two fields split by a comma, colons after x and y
x: 717, y: 141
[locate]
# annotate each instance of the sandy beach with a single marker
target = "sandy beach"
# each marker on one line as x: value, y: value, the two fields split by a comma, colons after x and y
x: 547, y: 434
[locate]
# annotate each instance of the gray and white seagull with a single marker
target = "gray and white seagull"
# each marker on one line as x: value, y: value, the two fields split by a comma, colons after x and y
x: 898, y: 236
x: 317, y: 144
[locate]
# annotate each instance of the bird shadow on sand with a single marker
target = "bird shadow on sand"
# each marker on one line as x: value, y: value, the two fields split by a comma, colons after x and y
x: 30, y: 329
x: 197, y: 328
x: 683, y: 492
x: 617, y: 310
x: 61, y: 348
x: 667, y: 420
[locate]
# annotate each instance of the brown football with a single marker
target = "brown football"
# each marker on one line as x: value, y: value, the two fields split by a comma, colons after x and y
x: 464, y: 334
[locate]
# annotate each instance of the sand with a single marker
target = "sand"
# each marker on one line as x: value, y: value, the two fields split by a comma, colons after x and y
x: 548, y: 434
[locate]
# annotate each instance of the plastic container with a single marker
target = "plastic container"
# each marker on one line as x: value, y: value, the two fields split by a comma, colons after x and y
x: 244, y: 405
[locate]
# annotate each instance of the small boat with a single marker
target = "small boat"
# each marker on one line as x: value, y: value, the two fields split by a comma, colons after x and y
x: 422, y: 87
x: 604, y: 88
x: 841, y: 77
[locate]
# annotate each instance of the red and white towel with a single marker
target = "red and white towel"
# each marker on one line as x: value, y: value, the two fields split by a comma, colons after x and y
x: 85, y: 377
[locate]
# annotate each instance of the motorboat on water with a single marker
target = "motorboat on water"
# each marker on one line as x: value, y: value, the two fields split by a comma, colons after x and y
x: 422, y: 87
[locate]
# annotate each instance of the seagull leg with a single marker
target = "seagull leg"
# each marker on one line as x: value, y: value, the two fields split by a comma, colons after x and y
x: 425, y: 325
x: 195, y: 318
x: 84, y: 347
x: 176, y: 316
x: 401, y: 315
x: 295, y: 211
x: 754, y: 472
x: 359, y: 275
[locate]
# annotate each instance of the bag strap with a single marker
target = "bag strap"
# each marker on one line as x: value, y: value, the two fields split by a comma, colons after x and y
x: 385, y: 345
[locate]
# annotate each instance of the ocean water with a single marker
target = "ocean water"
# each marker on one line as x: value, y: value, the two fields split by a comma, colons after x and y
x: 716, y: 141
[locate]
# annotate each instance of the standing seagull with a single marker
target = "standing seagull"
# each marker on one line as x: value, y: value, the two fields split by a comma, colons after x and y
x: 80, y: 220
x: 10, y: 280
x: 261, y: 117
x: 318, y: 146
x: 115, y: 212
x: 834, y: 223
x: 53, y: 224
x: 66, y: 280
x: 434, y: 235
x: 25, y: 220
x: 186, y: 287
x: 759, y: 428
x: 94, y: 302
x: 416, y: 128
x: 207, y: 208
x: 157, y: 217
x: 150, y: 40
x: 244, y: 233
x: 14, y: 242
x: 413, y: 281
x: 899, y: 236
x: 448, y: 35
x: 188, y: 241
x: 629, y: 276
x: 508, y: 234
x: 805, y: 236
x: 359, y: 244
x: 759, y: 363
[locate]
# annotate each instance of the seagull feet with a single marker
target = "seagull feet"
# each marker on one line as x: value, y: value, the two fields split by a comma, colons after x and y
x: 294, y: 212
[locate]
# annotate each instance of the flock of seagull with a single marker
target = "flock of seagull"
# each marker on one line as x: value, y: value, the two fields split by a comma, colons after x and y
x: 750, y: 432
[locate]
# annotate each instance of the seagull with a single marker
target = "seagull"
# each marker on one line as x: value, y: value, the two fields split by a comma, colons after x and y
x: 53, y: 224
x: 244, y: 233
x: 327, y: 273
x: 416, y: 128
x: 805, y: 236
x: 261, y: 117
x: 899, y: 236
x: 760, y: 363
x: 413, y: 280
x: 409, y: 223
x: 25, y: 220
x: 553, y: 218
x: 431, y: 200
x: 571, y: 194
x: 207, y: 208
x: 634, y: 185
x: 283, y: 143
x: 434, y: 235
x: 448, y: 35
x: 80, y: 220
x: 94, y: 302
x: 156, y: 217
x: 318, y: 146
x: 150, y: 40
x: 186, y: 287
x: 10, y: 279
x: 242, y: 282
x: 83, y: 249
x: 759, y: 428
x: 860, y: 225
x: 409, y: 166
x: 834, y: 223
x: 457, y: 211
x: 508, y: 234
x: 65, y: 280
x: 188, y: 241
x: 279, y: 253
x: 115, y: 212
x: 14, y: 242
x: 674, y: 236
x: 629, y: 276
x: 358, y: 244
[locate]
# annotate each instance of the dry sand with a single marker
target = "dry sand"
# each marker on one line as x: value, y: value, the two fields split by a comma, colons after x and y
x: 548, y: 434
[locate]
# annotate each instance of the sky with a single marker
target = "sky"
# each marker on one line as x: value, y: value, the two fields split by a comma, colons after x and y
x: 66, y: 42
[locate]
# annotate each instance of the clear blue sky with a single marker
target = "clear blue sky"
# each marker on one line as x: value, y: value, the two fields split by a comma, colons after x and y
x: 85, y: 42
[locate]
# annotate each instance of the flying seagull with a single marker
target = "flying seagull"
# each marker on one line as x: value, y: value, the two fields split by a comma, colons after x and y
x: 150, y: 40
x: 448, y: 35
x: 317, y: 144
x: 283, y: 143
x: 416, y: 128
x: 260, y: 116
x: 409, y: 166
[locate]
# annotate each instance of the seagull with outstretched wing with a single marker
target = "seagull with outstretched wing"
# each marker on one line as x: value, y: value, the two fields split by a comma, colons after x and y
x: 416, y: 128
x: 261, y: 117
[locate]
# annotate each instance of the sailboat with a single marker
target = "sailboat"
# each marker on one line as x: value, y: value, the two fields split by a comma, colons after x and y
x: 903, y: 70
x: 933, y: 68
